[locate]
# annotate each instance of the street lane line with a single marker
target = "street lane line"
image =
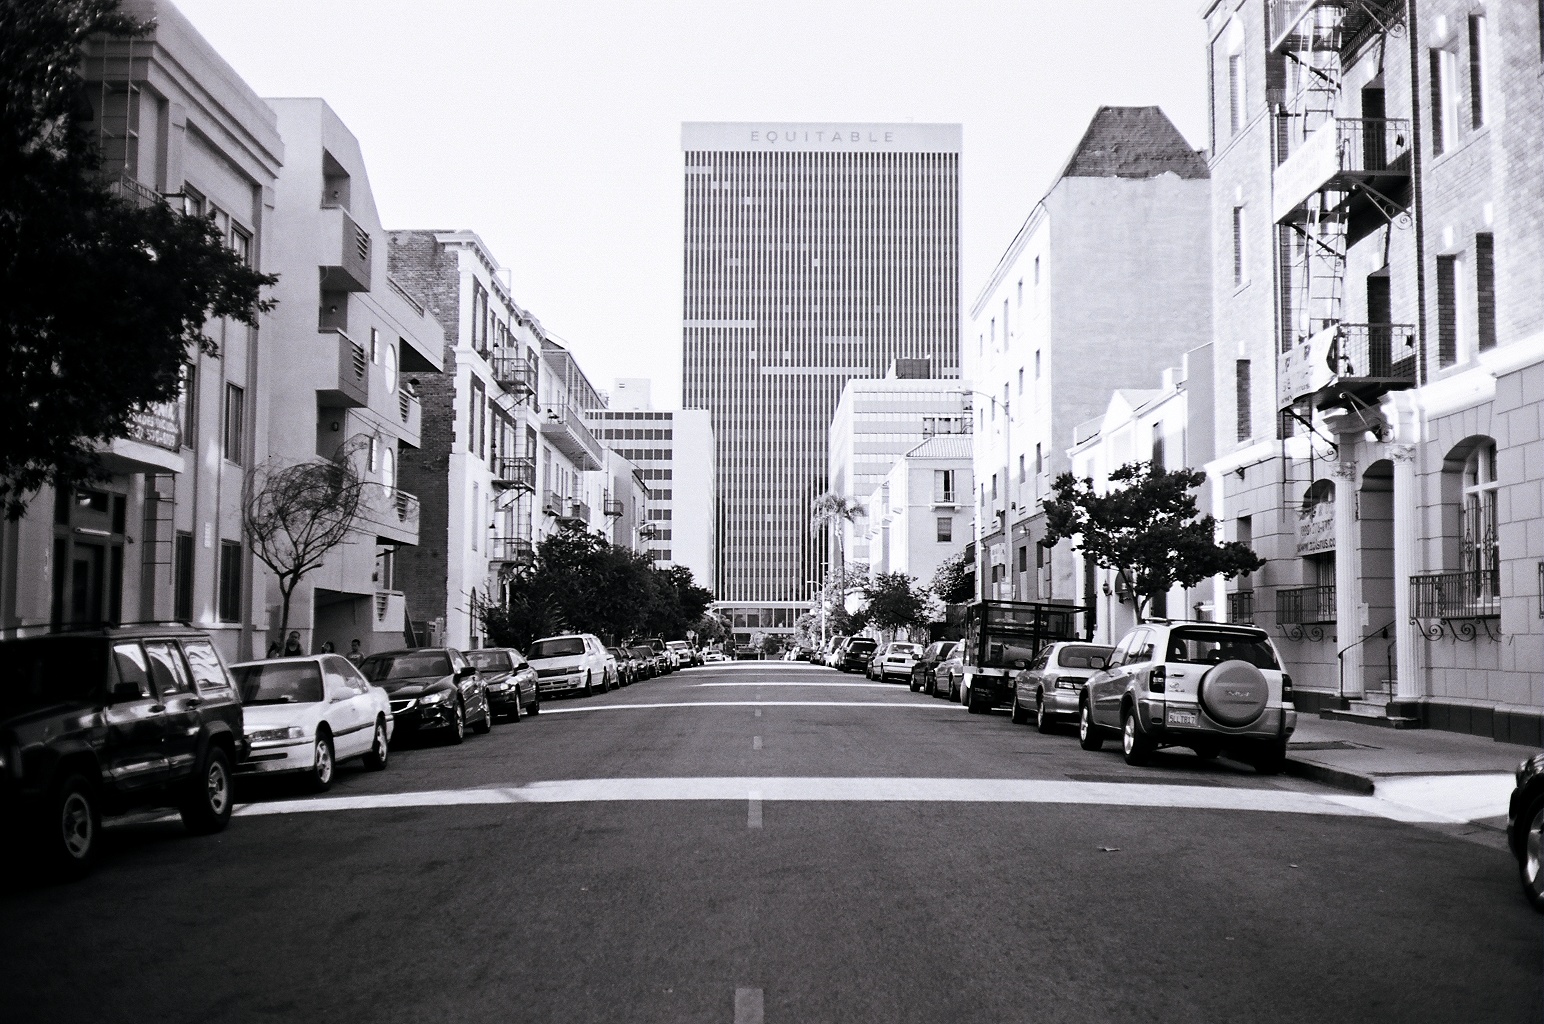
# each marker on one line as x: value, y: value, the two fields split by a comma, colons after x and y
x: 755, y: 742
x: 753, y: 819
x: 757, y: 703
x: 797, y: 789
x: 876, y: 686
x: 748, y: 1008
x: 758, y: 712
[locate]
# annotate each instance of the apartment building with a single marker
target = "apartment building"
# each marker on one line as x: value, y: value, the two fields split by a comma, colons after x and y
x: 343, y: 347
x: 475, y: 473
x: 1379, y: 338
x: 1105, y: 284
x: 1170, y: 427
x: 161, y: 537
x: 920, y: 514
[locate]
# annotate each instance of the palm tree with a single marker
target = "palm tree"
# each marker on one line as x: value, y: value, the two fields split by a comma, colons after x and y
x: 834, y: 511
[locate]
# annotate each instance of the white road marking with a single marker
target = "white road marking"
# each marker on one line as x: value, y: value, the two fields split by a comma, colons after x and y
x: 753, y: 818
x: 877, y: 686
x: 755, y: 742
x: 748, y: 1008
x: 755, y: 703
x: 797, y: 789
x: 758, y: 712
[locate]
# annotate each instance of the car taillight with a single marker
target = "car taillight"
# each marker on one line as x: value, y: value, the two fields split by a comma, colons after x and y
x: 1286, y: 687
x: 1157, y: 682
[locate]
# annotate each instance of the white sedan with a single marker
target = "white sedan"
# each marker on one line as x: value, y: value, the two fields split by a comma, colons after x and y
x: 304, y: 715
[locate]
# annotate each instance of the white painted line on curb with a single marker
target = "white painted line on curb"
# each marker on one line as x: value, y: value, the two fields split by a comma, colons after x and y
x: 748, y: 1008
x: 755, y: 703
x: 815, y: 790
x: 755, y: 742
x: 876, y: 686
x: 753, y: 819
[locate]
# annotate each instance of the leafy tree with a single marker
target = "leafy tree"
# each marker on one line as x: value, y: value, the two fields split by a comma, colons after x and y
x: 73, y: 372
x: 1146, y: 528
x: 294, y: 516
x: 710, y: 629
x: 771, y: 644
x: 894, y: 602
x: 953, y: 581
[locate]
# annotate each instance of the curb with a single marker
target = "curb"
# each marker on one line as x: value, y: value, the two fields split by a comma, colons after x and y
x: 1338, y: 778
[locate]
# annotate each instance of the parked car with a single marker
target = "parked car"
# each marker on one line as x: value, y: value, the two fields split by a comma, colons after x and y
x: 747, y: 652
x: 833, y: 650
x: 627, y: 665
x: 510, y: 679
x: 804, y: 652
x: 1049, y: 689
x: 685, y: 655
x: 1525, y: 828
x: 856, y: 653
x: 643, y: 659
x: 923, y: 669
x: 1001, y: 639
x: 712, y: 655
x: 305, y: 716
x: 572, y: 662
x: 950, y: 673
x: 663, y: 656
x: 894, y: 661
x: 433, y: 690
x: 1203, y: 685
x: 110, y: 720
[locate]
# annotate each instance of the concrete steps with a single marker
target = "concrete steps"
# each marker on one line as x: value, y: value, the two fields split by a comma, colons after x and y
x: 1371, y: 709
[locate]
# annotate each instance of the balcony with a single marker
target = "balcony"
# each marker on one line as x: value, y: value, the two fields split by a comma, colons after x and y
x: 514, y: 472
x: 1471, y: 594
x: 1344, y: 361
x: 410, y: 412
x: 1364, y: 162
x: 352, y: 390
x: 346, y: 259
x: 1303, y: 606
x: 577, y: 512
x: 566, y: 432
x: 612, y: 508
x: 390, y: 513
x: 1297, y: 26
x: 511, y: 550
x: 517, y: 376
x: 1241, y: 606
x: 552, y: 503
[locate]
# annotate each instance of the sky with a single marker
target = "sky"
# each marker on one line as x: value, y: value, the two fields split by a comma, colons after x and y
x: 552, y: 129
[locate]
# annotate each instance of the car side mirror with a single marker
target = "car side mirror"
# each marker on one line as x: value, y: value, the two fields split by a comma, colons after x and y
x: 463, y: 673
x: 122, y: 693
x: 1019, y: 664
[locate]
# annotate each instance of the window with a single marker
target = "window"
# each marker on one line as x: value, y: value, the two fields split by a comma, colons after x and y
x: 994, y: 486
x: 241, y: 245
x: 1235, y: 93
x: 1485, y: 290
x: 1158, y: 452
x: 1447, y: 310
x: 943, y: 486
x: 375, y: 346
x: 945, y: 529
x: 390, y: 357
x: 166, y: 668
x: 476, y: 509
x: 189, y: 423
x: 1480, y: 551
x: 1478, y: 86
x: 1023, y: 558
x: 208, y: 673
x: 235, y: 422
x: 1242, y: 399
x: 1039, y: 460
x: 1021, y: 469
x: 1020, y: 300
x: 373, y: 455
x: 182, y: 577
x: 1021, y: 380
x: 1005, y: 323
x: 1240, y: 271
x: 1444, y: 100
x: 1037, y: 364
x: 474, y: 415
x: 230, y: 581
x: 1037, y: 270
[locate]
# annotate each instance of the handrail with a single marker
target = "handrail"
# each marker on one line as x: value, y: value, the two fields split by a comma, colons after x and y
x: 1340, y: 655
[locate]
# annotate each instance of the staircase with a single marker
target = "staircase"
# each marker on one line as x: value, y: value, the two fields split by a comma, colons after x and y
x: 1375, y: 707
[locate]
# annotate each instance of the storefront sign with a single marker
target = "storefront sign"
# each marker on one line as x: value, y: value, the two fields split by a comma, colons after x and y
x: 1316, y: 528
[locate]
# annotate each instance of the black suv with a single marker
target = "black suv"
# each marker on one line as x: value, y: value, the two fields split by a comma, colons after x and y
x: 110, y: 720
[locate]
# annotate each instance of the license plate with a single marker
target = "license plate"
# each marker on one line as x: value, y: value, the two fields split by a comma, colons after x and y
x: 1176, y: 717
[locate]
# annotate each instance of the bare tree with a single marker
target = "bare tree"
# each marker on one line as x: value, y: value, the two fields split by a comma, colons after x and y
x: 294, y: 516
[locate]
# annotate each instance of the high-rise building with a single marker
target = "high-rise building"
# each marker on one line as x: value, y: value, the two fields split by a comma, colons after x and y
x: 814, y: 254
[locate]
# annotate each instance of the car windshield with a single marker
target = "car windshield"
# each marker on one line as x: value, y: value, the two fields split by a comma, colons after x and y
x: 411, y: 665
x: 1202, y: 646
x: 490, y: 661
x: 559, y: 647
x: 37, y: 673
x: 903, y: 649
x: 860, y: 645
x: 279, y: 682
x: 1083, y: 656
x: 642, y: 652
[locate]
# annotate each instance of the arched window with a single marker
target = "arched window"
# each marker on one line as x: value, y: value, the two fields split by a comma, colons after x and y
x: 1479, y: 549
x: 388, y: 467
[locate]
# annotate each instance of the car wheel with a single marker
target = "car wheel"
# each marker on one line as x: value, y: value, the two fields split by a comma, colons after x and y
x: 1019, y: 716
x: 375, y: 757
x: 72, y: 830
x: 485, y: 723
x: 976, y: 705
x: 1271, y: 758
x: 519, y: 712
x: 1043, y: 721
x: 457, y: 731
x: 589, y: 686
x: 1137, y: 747
x: 1530, y: 852
x: 534, y: 707
x: 1089, y: 736
x: 916, y: 684
x: 319, y: 778
x: 207, y: 807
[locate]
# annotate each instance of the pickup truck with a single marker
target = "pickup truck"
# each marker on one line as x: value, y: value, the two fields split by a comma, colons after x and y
x: 1004, y: 637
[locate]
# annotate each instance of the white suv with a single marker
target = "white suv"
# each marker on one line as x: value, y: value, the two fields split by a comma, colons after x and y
x: 573, y: 661
x: 1203, y: 685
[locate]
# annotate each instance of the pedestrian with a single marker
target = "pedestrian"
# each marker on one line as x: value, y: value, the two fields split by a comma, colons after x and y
x: 354, y: 653
x: 292, y: 648
x: 274, y: 649
x: 328, y: 648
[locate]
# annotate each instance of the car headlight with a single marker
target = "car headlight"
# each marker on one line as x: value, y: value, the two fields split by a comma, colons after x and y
x: 498, y: 687
x: 438, y: 697
x: 293, y: 732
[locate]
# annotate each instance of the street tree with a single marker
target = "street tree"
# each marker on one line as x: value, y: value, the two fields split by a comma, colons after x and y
x: 953, y: 581
x: 295, y: 515
x: 832, y: 511
x: 73, y: 373
x: 1146, y: 528
x: 895, y: 602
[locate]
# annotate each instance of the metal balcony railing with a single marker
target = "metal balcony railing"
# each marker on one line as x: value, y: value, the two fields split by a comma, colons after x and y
x: 612, y: 508
x: 579, y: 511
x: 515, y: 375
x: 1300, y: 606
x: 1298, y: 25
x: 1470, y: 594
x: 406, y: 504
x: 515, y: 471
x: 552, y: 503
x: 513, y: 550
x: 1374, y: 352
x: 1241, y: 606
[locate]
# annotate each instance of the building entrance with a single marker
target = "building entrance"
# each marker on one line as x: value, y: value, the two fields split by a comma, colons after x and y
x: 88, y: 557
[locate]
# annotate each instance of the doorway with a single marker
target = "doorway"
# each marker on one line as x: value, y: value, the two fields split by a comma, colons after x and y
x: 1375, y: 543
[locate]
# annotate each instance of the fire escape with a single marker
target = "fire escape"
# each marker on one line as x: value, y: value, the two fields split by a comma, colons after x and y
x: 514, y: 476
x: 1337, y: 181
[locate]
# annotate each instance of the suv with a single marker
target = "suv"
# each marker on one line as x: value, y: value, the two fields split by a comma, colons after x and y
x: 1202, y: 685
x: 112, y: 720
x: 570, y: 662
x: 855, y: 654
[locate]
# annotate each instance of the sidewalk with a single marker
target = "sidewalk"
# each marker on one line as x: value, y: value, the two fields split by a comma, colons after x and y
x: 1468, y: 778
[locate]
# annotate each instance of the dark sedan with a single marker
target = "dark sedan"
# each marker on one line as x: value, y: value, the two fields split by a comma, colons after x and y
x: 643, y: 659
x: 627, y: 665
x: 432, y: 690
x: 856, y: 655
x: 510, y: 680
x: 922, y: 673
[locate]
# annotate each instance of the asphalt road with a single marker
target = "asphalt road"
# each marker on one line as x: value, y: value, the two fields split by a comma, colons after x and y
x: 820, y: 851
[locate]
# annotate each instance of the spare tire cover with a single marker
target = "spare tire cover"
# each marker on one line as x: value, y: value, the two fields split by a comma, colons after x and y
x: 1234, y: 693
